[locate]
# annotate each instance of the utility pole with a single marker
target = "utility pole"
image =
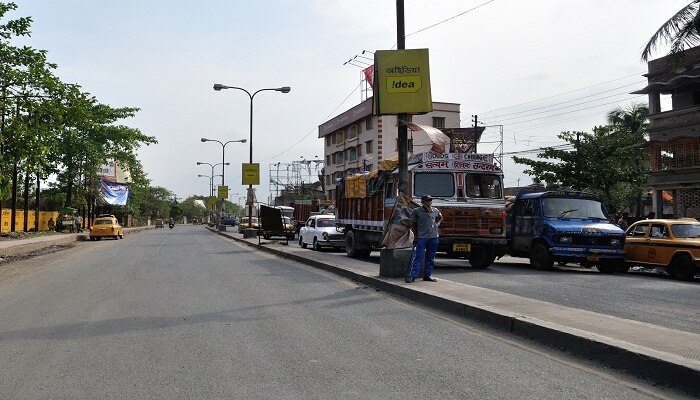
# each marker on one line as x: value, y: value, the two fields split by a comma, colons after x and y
x: 403, y: 117
x: 474, y: 121
x: 578, y: 160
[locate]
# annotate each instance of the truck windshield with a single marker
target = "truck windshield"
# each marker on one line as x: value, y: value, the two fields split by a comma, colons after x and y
x: 441, y: 184
x: 484, y: 186
x: 573, y: 208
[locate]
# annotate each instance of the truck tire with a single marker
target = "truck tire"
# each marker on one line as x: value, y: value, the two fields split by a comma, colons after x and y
x: 481, y: 258
x: 540, y: 257
x: 351, y: 247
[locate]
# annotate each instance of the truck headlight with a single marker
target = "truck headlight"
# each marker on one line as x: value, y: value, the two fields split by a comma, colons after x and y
x: 565, y: 239
x: 615, y: 242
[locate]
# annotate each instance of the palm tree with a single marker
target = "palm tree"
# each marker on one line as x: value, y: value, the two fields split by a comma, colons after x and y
x: 681, y: 30
x: 634, y: 117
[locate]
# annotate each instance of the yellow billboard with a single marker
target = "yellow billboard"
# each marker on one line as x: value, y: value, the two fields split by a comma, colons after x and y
x: 251, y: 174
x: 402, y: 82
x: 223, y: 192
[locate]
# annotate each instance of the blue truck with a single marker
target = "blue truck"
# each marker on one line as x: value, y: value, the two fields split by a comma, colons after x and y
x: 564, y: 227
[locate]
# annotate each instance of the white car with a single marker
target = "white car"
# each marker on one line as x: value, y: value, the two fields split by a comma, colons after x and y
x: 320, y: 232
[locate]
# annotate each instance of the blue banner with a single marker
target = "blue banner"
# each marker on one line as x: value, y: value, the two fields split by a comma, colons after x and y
x: 114, y: 193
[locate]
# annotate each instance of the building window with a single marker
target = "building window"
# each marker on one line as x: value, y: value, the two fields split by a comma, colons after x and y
x: 438, y: 122
x: 352, y: 154
x: 329, y: 160
x: 328, y: 140
x: 369, y: 123
x: 359, y: 150
x: 369, y: 147
x: 337, y: 176
x: 677, y: 154
x: 353, y: 131
x: 339, y: 158
x: 339, y: 137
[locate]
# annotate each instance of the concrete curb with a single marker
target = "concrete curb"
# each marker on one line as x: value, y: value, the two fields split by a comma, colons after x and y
x: 23, y: 246
x: 575, y: 342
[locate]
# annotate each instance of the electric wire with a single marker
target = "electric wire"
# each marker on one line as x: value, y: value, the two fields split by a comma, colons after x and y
x: 578, y: 98
x: 563, y: 93
x: 449, y: 19
x: 316, y: 128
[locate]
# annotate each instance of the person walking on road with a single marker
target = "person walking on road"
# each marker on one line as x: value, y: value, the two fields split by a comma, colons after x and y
x: 622, y: 222
x: 425, y: 222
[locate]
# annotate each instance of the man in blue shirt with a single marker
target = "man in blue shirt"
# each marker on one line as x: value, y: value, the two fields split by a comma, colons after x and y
x: 425, y: 222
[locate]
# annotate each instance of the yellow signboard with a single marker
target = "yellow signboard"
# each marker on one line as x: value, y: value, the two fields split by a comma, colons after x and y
x: 251, y: 174
x: 223, y: 192
x: 211, y: 201
x: 402, y: 82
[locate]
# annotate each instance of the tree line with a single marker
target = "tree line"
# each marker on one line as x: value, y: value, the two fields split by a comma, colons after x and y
x: 51, y: 128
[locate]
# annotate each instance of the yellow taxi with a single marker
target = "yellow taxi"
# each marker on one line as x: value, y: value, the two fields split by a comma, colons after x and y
x: 672, y: 244
x: 243, y: 224
x: 106, y: 225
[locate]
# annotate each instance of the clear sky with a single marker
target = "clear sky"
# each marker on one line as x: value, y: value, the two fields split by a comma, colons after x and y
x: 537, y: 67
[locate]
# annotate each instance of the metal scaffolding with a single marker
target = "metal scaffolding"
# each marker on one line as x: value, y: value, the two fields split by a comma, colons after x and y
x: 294, y: 177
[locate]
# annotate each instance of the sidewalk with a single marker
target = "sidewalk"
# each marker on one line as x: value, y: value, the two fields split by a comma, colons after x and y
x: 16, y: 247
x: 660, y: 355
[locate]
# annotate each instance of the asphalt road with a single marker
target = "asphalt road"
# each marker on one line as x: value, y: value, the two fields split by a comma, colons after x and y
x: 186, y: 314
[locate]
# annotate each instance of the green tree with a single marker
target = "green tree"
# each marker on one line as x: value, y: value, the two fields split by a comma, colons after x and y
x: 633, y: 117
x: 680, y: 31
x: 609, y: 162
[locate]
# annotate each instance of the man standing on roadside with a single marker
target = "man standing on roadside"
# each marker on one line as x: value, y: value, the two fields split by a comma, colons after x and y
x: 425, y: 223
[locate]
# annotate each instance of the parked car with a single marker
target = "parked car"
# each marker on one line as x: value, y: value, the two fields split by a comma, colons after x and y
x: 106, y: 225
x: 230, y: 219
x: 243, y: 224
x: 672, y: 244
x: 320, y: 232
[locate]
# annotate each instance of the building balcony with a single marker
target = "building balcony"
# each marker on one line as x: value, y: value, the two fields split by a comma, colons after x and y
x: 672, y: 124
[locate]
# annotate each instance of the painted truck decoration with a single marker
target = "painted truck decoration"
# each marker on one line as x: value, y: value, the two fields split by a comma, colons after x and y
x: 467, y: 188
x: 564, y: 227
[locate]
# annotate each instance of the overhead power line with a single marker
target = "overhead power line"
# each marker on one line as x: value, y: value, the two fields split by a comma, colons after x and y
x: 449, y: 19
x: 316, y: 128
x: 572, y: 100
x: 563, y: 93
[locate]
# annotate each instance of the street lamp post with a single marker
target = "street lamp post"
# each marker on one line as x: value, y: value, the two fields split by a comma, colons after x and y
x: 212, y: 173
x: 211, y: 188
x: 223, y: 153
x: 284, y: 89
x: 210, y: 181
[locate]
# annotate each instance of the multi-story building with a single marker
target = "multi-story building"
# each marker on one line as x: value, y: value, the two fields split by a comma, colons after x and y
x: 674, y: 134
x: 357, y: 141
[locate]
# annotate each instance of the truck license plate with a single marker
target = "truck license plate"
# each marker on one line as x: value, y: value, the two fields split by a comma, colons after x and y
x: 461, y: 247
x: 592, y: 257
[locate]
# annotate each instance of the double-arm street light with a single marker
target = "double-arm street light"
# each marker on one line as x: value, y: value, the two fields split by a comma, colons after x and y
x: 284, y: 89
x: 208, y: 177
x: 211, y: 188
x: 223, y: 153
x: 212, y: 172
